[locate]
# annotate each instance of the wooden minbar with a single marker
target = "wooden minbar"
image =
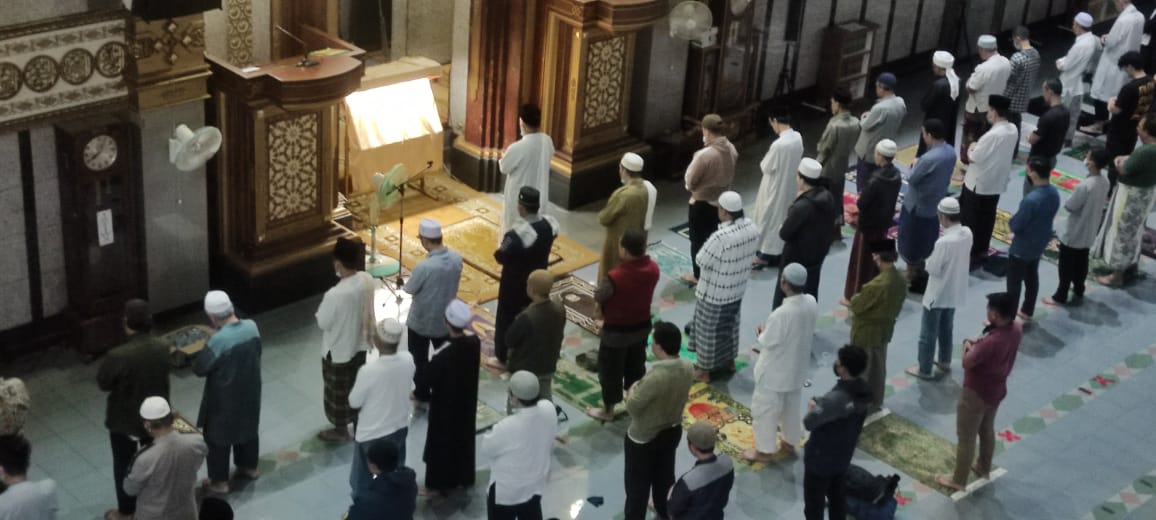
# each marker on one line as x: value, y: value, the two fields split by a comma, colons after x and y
x: 272, y: 187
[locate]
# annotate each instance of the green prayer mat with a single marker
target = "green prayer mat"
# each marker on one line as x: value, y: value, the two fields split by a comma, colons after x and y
x: 486, y: 417
x: 911, y: 449
x: 1077, y: 152
x: 579, y: 386
x: 671, y: 262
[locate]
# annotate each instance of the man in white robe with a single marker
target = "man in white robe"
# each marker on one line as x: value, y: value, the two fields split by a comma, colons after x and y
x: 785, y: 355
x: 526, y: 163
x: 1125, y: 36
x: 777, y: 190
x: 1072, y: 67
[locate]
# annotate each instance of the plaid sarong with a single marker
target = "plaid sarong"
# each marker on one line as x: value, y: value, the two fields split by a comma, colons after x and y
x: 339, y: 378
x: 716, y: 334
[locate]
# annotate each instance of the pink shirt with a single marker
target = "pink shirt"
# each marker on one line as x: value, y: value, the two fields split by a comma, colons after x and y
x: 993, y: 357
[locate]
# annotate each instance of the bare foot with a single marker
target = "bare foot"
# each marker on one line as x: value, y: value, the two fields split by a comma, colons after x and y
x: 334, y: 434
x: 947, y: 482
x: 1024, y: 316
x: 844, y: 302
x: 495, y: 364
x: 216, y: 488
x: 1052, y: 301
x: 914, y: 372
x: 600, y: 414
x: 689, y: 278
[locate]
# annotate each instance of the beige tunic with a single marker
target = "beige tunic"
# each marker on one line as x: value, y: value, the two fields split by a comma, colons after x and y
x: 625, y: 210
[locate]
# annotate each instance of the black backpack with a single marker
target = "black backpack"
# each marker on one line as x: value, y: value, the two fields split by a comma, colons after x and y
x: 868, y: 487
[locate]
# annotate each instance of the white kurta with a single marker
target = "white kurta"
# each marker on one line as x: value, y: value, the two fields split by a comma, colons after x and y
x: 778, y: 189
x: 1073, y: 65
x: 1125, y: 36
x: 525, y: 163
x: 651, y: 200
x: 781, y: 371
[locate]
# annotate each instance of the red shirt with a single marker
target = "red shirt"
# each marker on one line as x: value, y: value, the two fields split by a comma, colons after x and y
x: 992, y: 358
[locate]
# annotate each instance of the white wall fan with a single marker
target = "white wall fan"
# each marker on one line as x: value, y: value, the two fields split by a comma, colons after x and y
x: 189, y: 149
x: 692, y: 20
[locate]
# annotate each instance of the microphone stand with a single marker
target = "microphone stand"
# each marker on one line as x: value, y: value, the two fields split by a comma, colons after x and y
x: 401, y: 228
x: 306, y: 59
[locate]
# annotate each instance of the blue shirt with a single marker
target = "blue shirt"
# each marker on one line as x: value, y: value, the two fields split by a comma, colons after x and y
x: 434, y: 284
x: 1032, y: 223
x: 929, y: 180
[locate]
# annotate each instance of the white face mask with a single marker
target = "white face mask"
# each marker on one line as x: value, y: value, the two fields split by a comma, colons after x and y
x: 337, y: 274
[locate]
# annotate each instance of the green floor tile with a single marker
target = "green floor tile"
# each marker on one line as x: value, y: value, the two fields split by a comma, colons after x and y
x: 1028, y: 425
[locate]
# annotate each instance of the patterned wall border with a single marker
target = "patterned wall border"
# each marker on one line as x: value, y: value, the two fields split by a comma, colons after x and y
x: 62, y: 66
x: 239, y: 32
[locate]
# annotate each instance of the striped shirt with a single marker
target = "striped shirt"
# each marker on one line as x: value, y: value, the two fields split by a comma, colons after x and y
x: 1024, y: 79
x: 725, y: 260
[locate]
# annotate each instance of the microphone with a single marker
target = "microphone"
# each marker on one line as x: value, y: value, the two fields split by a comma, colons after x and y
x: 306, y: 60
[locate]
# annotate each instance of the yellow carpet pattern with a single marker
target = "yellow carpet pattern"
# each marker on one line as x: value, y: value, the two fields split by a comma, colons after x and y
x: 469, y: 220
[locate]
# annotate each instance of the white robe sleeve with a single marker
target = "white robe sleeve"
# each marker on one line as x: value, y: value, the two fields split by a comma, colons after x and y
x: 651, y: 199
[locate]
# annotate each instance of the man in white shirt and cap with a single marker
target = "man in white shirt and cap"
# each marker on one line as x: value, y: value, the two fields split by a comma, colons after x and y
x: 947, y: 271
x: 988, y: 175
x: 381, y: 397
x: 941, y: 100
x: 346, y: 319
x: 1073, y: 66
x: 526, y: 163
x: 1124, y: 37
x: 990, y: 77
x: 628, y: 208
x: 806, y: 231
x: 519, y: 448
x: 785, y: 341
x: 777, y: 188
x: 433, y: 285
x: 163, y: 476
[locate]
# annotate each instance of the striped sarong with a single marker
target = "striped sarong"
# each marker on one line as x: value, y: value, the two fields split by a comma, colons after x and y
x: 339, y: 378
x: 716, y: 334
x: 1120, y: 236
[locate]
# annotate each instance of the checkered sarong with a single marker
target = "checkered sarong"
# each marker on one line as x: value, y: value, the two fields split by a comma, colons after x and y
x: 716, y: 334
x: 339, y: 378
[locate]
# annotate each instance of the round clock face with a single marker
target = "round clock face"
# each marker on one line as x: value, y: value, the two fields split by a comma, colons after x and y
x: 100, y: 153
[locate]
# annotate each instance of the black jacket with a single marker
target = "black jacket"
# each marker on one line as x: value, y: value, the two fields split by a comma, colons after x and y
x: 702, y: 493
x: 807, y: 229
x: 391, y: 496
x: 835, y: 424
x: 937, y: 104
x: 519, y: 260
x: 877, y: 202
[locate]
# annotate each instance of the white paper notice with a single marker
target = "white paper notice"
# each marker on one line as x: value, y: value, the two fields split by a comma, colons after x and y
x: 104, y: 227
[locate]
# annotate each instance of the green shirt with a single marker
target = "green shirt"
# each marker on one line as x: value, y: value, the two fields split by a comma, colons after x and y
x: 535, y: 338
x: 1140, y: 168
x: 876, y: 307
x: 656, y: 402
x: 129, y: 373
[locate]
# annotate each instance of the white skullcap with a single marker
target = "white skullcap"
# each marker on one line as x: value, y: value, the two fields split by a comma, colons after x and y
x: 795, y: 274
x: 524, y: 385
x: 217, y: 302
x: 429, y: 228
x: 948, y: 206
x: 988, y: 42
x: 632, y: 161
x: 887, y: 148
x: 731, y: 201
x: 1084, y: 20
x: 458, y: 314
x: 943, y: 59
x: 154, y: 408
x: 810, y: 168
x: 390, y: 330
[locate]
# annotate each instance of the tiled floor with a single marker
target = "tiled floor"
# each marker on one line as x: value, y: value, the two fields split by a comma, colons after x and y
x: 1064, y: 471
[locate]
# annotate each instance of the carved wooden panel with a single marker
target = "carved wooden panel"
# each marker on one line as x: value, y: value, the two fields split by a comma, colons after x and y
x: 605, y: 78
x: 239, y: 32
x: 293, y: 166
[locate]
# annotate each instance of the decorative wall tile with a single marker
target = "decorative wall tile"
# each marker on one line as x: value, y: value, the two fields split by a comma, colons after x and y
x: 239, y: 32
x: 605, y: 75
x: 293, y: 163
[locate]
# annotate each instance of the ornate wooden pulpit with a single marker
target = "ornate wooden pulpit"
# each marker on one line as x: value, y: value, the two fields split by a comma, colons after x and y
x: 272, y: 187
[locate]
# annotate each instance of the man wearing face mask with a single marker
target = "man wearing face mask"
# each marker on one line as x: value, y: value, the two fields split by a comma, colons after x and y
x: 628, y: 208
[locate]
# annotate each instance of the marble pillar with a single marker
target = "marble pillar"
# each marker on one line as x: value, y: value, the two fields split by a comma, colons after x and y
x: 15, y: 308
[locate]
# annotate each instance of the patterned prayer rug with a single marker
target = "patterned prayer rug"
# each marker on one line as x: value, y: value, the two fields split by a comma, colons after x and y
x: 731, y: 418
x: 682, y: 230
x: 486, y: 417
x: 185, y: 342
x: 1060, y: 179
x: 911, y: 449
x: 577, y: 295
x: 465, y: 236
x: 1002, y: 233
x: 1078, y: 152
x: 1148, y: 245
x: 671, y: 262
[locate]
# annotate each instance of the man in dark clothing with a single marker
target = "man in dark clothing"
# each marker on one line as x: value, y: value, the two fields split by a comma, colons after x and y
x: 625, y: 295
x: 702, y: 492
x: 806, y: 232
x: 535, y: 338
x: 941, y: 101
x: 1127, y: 108
x: 1047, y: 139
x: 525, y: 248
x: 834, y: 420
x: 137, y: 369
x: 393, y: 492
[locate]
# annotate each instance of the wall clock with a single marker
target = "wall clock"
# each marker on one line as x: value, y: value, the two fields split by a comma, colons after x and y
x: 100, y: 152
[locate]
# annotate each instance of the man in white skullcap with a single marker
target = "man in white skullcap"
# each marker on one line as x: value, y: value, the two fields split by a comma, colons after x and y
x: 433, y: 284
x: 777, y: 188
x: 947, y: 271
x: 990, y: 77
x: 784, y: 358
x: 627, y: 209
x: 806, y: 231
x: 1124, y: 37
x: 231, y: 405
x: 725, y: 262
x: 381, y: 397
x: 526, y: 162
x: 988, y: 176
x: 942, y: 99
x: 876, y: 205
x: 449, y: 447
x: 163, y: 476
x: 519, y: 449
x: 1073, y: 66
